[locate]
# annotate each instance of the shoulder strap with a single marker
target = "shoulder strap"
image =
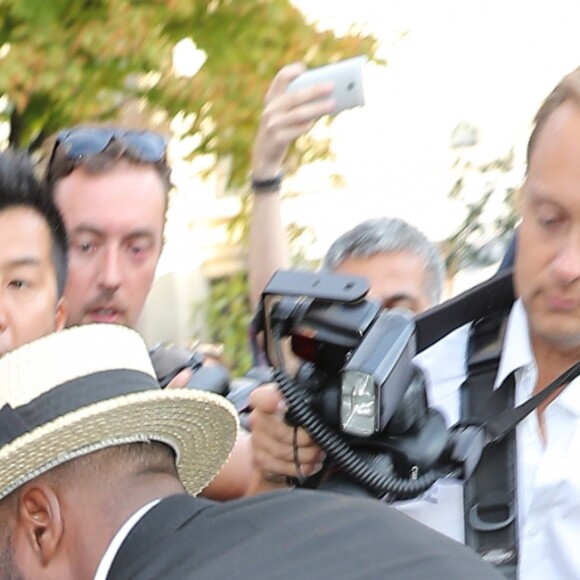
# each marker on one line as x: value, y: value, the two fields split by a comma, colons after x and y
x: 498, y: 426
x: 490, y: 493
x: 493, y: 295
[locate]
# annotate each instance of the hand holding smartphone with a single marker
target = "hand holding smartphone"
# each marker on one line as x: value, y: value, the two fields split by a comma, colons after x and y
x: 347, y: 77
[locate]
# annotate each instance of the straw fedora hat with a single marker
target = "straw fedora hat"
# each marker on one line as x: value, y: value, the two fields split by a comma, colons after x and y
x: 93, y: 386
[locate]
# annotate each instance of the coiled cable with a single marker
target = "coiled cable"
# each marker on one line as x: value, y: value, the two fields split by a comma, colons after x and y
x: 387, y: 486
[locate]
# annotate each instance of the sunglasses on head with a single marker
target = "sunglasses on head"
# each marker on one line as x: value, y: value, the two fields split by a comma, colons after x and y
x: 80, y: 142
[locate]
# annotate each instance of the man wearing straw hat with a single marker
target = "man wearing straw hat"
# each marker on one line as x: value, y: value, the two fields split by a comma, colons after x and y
x: 99, y: 468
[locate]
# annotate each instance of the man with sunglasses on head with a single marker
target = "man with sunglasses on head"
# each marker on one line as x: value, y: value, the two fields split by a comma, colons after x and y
x: 112, y: 190
x: 112, y: 186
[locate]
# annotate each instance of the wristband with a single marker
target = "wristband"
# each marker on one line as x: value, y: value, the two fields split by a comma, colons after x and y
x: 267, y: 185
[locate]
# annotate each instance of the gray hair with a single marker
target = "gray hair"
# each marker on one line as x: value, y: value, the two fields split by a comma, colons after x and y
x: 387, y: 235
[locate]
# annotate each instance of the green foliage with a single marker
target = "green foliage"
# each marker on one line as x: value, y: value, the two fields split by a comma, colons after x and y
x: 228, y: 308
x: 465, y: 246
x: 228, y: 317
x: 68, y: 61
x: 64, y: 62
x: 461, y: 248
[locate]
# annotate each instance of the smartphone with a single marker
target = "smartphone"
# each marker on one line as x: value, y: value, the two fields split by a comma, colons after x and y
x: 347, y: 76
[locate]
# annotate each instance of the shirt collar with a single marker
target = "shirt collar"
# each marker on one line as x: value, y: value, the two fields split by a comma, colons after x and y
x: 517, y: 348
x: 517, y: 353
x: 112, y: 549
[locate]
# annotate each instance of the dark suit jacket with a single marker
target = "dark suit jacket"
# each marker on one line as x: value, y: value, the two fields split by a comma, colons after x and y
x: 288, y: 535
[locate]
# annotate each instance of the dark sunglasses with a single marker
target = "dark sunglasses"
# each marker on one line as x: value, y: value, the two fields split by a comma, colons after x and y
x: 80, y: 142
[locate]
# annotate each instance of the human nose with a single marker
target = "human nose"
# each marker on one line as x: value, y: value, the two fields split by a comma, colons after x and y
x: 566, y: 265
x: 110, y: 269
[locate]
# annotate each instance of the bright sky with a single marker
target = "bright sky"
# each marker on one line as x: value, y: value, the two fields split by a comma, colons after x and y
x: 488, y: 63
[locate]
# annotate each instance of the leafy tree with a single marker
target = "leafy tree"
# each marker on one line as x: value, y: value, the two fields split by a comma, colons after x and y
x: 68, y: 61
x: 228, y: 318
x: 470, y: 244
x: 228, y: 309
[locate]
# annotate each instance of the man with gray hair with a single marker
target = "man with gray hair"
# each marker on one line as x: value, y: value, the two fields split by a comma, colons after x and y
x: 404, y: 268
x: 385, y: 250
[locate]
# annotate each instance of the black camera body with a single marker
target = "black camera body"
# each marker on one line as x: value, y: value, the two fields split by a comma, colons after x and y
x: 357, y: 390
x: 169, y: 359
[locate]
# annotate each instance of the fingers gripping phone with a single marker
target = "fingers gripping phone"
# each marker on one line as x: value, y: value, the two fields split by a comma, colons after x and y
x: 347, y: 77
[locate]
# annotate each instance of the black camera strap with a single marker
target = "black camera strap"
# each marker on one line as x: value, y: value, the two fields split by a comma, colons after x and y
x: 489, y: 495
x: 492, y: 296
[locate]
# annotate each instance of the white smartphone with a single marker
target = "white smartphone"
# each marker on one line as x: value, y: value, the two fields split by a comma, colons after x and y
x: 347, y: 76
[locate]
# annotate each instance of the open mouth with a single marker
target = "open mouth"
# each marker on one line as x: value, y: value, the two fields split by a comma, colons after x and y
x: 110, y: 315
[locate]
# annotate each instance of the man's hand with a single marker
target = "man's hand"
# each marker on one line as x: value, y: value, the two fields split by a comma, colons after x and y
x: 180, y: 379
x: 286, y: 117
x: 273, y: 442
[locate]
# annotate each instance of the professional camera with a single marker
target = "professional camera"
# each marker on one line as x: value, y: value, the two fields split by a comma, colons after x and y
x: 356, y: 389
x: 169, y: 359
x: 208, y: 373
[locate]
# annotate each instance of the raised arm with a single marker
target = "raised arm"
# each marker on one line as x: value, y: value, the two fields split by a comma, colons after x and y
x: 286, y: 116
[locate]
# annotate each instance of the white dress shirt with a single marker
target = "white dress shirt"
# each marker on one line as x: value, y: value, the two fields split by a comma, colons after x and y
x: 112, y: 549
x: 548, y: 473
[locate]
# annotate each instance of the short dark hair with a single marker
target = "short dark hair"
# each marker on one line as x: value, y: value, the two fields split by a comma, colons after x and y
x: 142, y: 456
x: 19, y: 187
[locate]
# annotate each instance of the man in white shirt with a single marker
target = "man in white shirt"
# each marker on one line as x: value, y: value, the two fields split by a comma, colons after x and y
x: 541, y: 342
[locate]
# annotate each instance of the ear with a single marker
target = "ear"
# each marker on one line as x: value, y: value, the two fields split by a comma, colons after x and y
x: 61, y: 314
x: 40, y: 520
